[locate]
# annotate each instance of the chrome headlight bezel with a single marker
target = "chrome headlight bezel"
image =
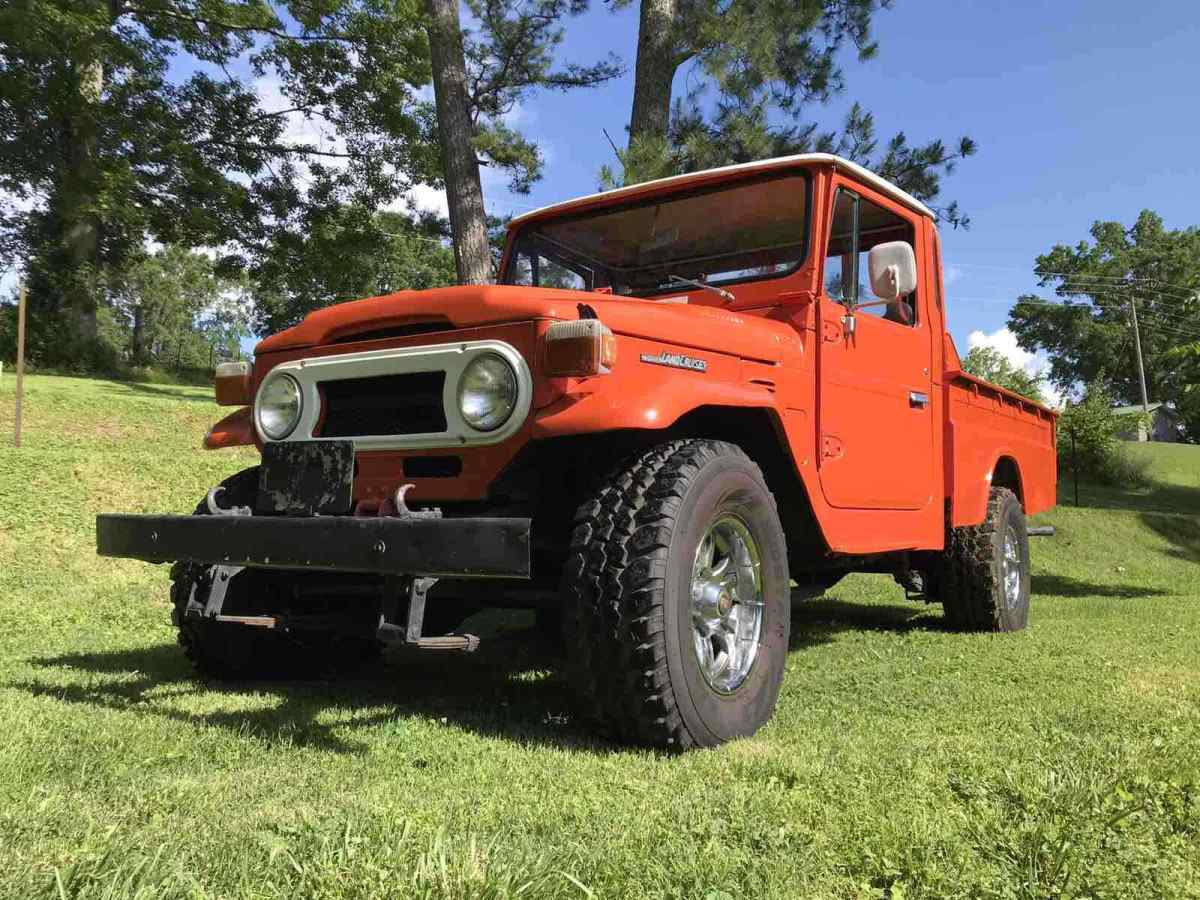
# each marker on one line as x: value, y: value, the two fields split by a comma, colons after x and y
x: 503, y: 401
x: 262, y: 401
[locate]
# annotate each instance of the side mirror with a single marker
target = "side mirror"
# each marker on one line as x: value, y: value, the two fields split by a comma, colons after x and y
x: 893, y: 270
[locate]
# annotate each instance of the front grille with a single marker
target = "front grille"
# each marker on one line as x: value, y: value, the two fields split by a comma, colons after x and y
x: 383, y: 405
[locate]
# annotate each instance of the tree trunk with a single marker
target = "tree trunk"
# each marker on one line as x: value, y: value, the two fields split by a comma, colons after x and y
x: 78, y: 194
x: 137, y: 343
x: 464, y: 193
x: 657, y: 60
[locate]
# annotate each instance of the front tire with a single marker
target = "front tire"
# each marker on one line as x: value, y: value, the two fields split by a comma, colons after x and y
x: 676, y: 599
x: 984, y: 584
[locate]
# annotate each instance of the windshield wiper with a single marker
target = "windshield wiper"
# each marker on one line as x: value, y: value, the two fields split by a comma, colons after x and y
x: 720, y: 292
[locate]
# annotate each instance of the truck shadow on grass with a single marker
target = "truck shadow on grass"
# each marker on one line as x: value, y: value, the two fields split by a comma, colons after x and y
x: 817, y: 621
x: 510, y: 689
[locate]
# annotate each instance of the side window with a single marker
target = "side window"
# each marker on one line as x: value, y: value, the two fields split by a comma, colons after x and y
x: 533, y: 269
x: 841, y: 260
x: 858, y: 225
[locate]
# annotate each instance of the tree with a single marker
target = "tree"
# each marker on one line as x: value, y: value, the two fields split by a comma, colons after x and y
x: 343, y: 253
x: 751, y: 59
x: 1087, y: 334
x: 1184, y: 359
x: 991, y: 365
x: 1088, y: 440
x: 110, y: 150
x: 479, y: 77
x: 162, y: 299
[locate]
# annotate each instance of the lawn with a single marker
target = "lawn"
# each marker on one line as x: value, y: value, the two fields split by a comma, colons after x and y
x: 904, y: 760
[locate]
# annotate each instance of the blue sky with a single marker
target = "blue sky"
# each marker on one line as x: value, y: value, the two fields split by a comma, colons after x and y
x: 1082, y: 111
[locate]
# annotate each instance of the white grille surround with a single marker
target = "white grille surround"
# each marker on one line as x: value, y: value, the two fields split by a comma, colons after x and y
x: 450, y: 358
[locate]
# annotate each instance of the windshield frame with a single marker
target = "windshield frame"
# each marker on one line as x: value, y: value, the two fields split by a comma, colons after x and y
x: 508, y: 273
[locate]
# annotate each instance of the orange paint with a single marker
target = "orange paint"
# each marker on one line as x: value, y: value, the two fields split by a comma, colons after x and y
x: 882, y: 428
x: 235, y: 430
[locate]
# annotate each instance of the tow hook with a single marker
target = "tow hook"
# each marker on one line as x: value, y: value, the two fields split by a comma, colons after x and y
x: 402, y: 510
x: 215, y: 510
x: 395, y: 506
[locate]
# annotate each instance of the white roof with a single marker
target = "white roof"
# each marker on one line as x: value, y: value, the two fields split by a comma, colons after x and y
x: 862, y: 174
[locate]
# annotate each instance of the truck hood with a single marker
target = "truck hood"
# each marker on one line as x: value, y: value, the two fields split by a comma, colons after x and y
x: 469, y: 306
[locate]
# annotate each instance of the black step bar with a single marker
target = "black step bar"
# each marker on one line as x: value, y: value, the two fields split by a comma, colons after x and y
x: 436, y: 547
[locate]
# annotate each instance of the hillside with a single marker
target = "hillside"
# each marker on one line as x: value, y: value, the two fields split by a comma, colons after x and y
x: 904, y: 760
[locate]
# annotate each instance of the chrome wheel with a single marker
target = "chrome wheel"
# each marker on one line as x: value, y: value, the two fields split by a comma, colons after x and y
x: 727, y: 603
x: 1011, y: 568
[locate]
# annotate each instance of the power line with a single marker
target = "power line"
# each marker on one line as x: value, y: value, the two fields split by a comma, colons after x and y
x: 1107, y: 307
x: 1139, y: 281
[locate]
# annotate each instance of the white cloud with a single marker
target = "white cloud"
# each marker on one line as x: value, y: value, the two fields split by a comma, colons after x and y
x: 421, y: 198
x: 1004, y: 342
x: 952, y: 274
x: 298, y: 128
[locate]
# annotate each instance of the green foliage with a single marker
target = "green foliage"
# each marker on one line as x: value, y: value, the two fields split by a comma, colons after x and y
x: 752, y: 63
x: 111, y: 146
x: 174, y: 298
x: 903, y: 759
x: 343, y: 253
x: 510, y: 54
x: 171, y: 317
x: 993, y: 366
x: 1088, y: 337
x: 1087, y: 440
x: 1184, y: 361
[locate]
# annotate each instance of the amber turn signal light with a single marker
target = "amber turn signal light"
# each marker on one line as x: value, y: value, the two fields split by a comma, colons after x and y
x: 232, y: 384
x: 581, y: 348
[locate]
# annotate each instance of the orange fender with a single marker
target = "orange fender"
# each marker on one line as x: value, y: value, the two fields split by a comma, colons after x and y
x: 235, y: 430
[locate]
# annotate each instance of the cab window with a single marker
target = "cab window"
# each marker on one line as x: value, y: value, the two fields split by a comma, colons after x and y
x: 533, y: 269
x: 858, y: 225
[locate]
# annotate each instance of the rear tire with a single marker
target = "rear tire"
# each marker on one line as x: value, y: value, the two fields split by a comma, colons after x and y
x: 676, y: 599
x: 229, y: 651
x: 984, y: 580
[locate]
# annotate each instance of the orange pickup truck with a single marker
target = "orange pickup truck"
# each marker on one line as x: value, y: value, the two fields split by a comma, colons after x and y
x: 685, y: 404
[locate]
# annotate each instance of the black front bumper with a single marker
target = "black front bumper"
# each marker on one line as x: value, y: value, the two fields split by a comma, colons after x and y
x: 449, y: 548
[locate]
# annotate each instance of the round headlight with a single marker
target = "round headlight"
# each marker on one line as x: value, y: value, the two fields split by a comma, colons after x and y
x: 279, y: 405
x: 487, y: 392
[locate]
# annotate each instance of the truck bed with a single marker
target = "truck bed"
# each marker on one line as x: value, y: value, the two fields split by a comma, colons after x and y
x: 987, y: 427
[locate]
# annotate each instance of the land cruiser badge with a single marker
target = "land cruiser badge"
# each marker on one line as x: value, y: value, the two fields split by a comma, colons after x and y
x: 675, y: 360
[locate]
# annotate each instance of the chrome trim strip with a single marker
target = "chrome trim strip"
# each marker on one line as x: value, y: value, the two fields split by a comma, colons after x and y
x: 448, y: 358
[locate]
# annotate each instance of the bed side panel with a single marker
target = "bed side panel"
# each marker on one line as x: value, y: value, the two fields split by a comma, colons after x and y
x: 985, y: 425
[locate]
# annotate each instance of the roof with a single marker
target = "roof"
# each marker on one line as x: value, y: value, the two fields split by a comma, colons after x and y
x: 781, y: 162
x: 1136, y: 409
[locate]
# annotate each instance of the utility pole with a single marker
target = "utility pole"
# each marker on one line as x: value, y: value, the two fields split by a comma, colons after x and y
x: 20, y: 364
x: 1137, y: 346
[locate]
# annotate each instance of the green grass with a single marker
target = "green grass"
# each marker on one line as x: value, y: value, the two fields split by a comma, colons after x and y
x: 903, y: 761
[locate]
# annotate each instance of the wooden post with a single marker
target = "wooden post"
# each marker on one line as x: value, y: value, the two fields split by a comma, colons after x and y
x: 20, y: 364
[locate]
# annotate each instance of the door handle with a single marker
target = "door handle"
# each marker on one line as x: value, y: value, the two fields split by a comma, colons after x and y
x: 918, y: 399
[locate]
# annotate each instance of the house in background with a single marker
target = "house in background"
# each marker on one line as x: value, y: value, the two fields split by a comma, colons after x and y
x: 1162, y: 424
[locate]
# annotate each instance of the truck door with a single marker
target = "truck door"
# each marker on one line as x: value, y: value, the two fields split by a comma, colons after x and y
x: 875, y: 410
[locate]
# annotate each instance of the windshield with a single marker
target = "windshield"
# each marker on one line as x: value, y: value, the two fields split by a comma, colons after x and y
x: 729, y: 233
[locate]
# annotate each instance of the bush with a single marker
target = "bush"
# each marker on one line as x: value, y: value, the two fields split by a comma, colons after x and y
x: 1087, y: 438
